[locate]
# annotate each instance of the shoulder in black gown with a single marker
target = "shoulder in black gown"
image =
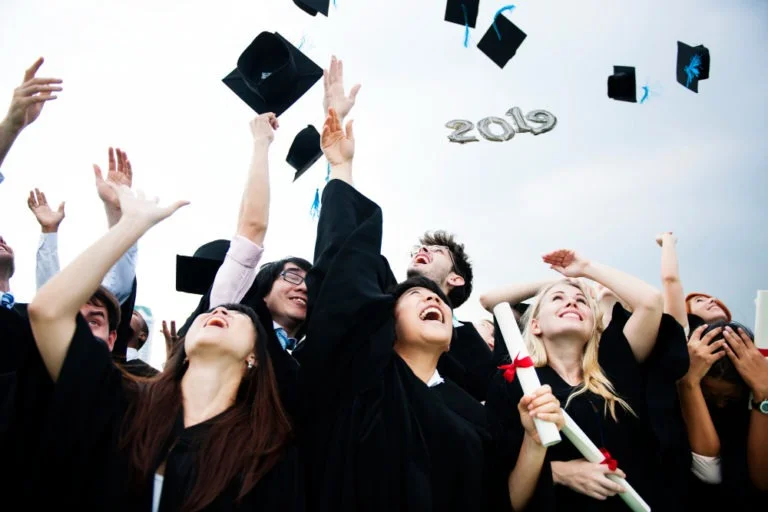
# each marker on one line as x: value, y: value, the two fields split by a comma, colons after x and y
x: 377, y: 438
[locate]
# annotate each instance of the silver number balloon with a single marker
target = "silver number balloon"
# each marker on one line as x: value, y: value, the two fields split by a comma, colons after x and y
x: 517, y: 117
x: 460, y: 127
x: 546, y: 119
x: 483, y: 126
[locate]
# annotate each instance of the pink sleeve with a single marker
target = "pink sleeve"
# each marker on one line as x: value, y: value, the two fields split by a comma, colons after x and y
x: 237, y: 273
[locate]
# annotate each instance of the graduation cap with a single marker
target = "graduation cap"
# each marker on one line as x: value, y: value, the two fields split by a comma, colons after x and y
x: 501, y: 41
x: 462, y: 12
x: 195, y: 274
x: 312, y: 7
x: 304, y: 151
x: 622, y: 85
x: 272, y: 74
x: 692, y: 65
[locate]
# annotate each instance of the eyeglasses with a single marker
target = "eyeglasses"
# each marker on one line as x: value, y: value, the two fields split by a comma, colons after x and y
x: 436, y: 249
x: 292, y: 277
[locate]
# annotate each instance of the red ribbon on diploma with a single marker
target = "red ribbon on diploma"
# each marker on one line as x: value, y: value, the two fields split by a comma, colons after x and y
x: 608, y: 460
x: 519, y: 362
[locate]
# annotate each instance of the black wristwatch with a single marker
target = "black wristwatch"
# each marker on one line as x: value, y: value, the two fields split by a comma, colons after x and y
x: 760, y: 406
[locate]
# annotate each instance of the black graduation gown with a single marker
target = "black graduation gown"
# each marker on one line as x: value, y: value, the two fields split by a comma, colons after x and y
x: 469, y: 362
x: 81, y: 466
x: 656, y: 463
x: 376, y: 437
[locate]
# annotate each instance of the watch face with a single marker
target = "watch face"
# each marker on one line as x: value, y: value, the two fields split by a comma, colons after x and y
x: 764, y: 407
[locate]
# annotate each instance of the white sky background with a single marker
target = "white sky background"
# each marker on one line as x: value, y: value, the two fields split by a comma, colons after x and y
x: 146, y: 77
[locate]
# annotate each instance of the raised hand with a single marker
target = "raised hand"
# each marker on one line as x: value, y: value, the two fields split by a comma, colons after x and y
x: 137, y: 208
x: 49, y: 219
x: 587, y: 478
x: 338, y: 147
x: 333, y: 84
x: 118, y: 173
x: 543, y: 405
x: 30, y: 97
x: 171, y: 338
x: 666, y: 238
x: 567, y: 262
x: 263, y: 127
x: 703, y: 353
x: 748, y: 360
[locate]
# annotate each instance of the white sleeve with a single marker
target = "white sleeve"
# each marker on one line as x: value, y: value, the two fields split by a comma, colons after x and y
x: 119, y: 279
x: 706, y: 469
x: 47, y: 258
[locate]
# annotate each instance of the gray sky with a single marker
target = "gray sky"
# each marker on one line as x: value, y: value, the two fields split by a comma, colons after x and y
x: 606, y: 179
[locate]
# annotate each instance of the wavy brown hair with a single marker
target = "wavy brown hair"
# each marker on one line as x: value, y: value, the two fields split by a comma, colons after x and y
x: 242, y: 444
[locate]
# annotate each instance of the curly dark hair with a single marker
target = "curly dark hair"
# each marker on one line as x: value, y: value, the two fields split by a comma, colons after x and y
x: 462, y: 265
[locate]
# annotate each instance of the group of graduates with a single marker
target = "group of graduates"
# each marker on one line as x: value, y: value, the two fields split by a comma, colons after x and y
x: 333, y: 386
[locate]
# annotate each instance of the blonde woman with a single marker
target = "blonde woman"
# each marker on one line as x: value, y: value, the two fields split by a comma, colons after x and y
x: 600, y: 376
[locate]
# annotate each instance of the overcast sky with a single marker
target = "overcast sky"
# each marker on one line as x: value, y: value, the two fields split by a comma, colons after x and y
x: 146, y: 77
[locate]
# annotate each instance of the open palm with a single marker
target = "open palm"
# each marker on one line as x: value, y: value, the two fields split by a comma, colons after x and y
x: 49, y: 219
x: 567, y: 262
x: 138, y: 207
x: 333, y: 83
x: 118, y: 173
x: 338, y: 146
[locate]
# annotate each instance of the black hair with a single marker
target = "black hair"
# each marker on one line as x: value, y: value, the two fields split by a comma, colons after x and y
x: 462, y: 265
x: 419, y: 282
x: 723, y: 368
x: 107, y: 300
x: 270, y: 272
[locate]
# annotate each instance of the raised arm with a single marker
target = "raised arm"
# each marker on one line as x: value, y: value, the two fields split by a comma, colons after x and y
x: 119, y: 279
x: 53, y: 311
x: 642, y: 328
x: 513, y: 294
x: 238, y: 271
x: 26, y: 106
x: 672, y: 287
x: 47, y: 250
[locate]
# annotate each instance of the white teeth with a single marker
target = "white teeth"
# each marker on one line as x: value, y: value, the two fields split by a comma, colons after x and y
x: 572, y: 315
x: 429, y: 310
x: 299, y: 300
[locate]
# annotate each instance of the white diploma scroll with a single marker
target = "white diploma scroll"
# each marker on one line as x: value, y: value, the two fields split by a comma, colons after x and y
x: 590, y: 452
x: 529, y: 381
x: 761, y: 319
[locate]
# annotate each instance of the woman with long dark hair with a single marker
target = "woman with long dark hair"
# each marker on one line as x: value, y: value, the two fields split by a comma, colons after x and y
x: 208, y: 433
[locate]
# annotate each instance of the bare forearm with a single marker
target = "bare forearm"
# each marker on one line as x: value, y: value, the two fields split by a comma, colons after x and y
x: 7, y: 137
x: 342, y: 172
x: 253, y: 219
x: 113, y: 215
x: 701, y: 431
x: 674, y: 299
x: 513, y: 294
x: 635, y: 292
x: 525, y: 475
x: 757, y: 449
x: 67, y: 291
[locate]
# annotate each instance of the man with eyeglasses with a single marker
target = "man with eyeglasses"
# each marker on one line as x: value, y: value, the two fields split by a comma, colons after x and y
x: 469, y: 362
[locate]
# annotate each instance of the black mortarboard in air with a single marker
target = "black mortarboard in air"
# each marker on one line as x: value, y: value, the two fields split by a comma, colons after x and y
x: 195, y: 274
x: 622, y: 85
x: 692, y: 65
x: 272, y: 74
x: 455, y: 12
x: 501, y: 41
x: 312, y: 7
x: 305, y: 150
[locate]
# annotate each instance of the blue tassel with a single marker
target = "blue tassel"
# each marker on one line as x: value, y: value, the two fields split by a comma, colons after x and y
x: 314, y: 212
x: 328, y: 173
x: 334, y: 4
x: 692, y: 69
x: 646, y: 91
x: 466, y: 25
x: 301, y: 43
x: 505, y: 8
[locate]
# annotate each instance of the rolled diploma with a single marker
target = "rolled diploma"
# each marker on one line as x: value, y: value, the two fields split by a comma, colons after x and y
x: 761, y: 319
x: 529, y: 381
x: 590, y: 452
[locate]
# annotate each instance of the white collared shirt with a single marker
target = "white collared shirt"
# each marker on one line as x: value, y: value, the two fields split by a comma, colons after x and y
x: 131, y: 354
x: 435, y: 380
